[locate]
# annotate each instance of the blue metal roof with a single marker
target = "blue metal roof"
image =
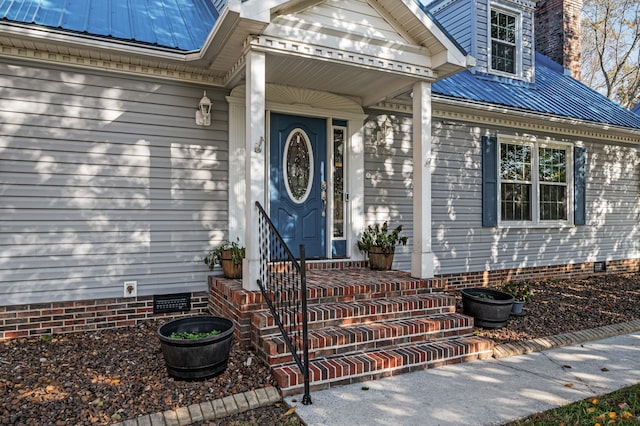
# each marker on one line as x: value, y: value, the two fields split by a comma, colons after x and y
x: 636, y: 109
x: 552, y: 93
x: 176, y: 24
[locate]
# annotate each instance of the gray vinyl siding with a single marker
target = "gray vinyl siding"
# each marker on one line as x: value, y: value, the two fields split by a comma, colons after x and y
x: 388, y: 186
x: 459, y: 241
x: 474, y: 37
x: 481, y: 52
x: 106, y: 178
x: 461, y: 244
x: 458, y: 19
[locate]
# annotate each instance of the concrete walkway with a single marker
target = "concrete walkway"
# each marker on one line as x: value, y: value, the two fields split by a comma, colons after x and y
x: 489, y: 392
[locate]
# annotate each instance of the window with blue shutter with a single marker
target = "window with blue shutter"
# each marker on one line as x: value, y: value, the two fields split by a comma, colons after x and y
x: 526, y: 182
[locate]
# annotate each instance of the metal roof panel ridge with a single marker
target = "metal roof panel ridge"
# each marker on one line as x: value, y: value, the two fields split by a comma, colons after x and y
x: 554, y: 93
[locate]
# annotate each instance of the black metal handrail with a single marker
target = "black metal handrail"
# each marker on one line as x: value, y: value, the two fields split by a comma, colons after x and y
x: 283, y: 283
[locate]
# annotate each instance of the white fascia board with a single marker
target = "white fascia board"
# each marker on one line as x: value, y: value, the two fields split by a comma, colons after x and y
x: 264, y: 10
x: 46, y: 35
x: 218, y: 36
x: 445, y: 57
x: 215, y: 40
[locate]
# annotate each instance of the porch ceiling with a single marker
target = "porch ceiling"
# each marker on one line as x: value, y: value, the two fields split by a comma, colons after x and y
x: 368, y: 85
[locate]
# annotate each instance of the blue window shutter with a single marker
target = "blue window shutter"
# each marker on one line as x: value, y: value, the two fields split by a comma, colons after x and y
x: 579, y: 186
x: 489, y: 181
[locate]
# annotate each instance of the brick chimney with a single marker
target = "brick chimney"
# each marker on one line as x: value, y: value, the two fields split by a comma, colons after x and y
x: 557, y: 32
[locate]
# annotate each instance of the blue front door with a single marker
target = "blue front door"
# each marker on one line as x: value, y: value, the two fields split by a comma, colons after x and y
x: 297, y: 190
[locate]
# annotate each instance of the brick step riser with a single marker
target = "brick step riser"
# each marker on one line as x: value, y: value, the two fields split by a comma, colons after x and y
x: 354, y: 368
x: 322, y: 295
x: 282, y: 355
x: 265, y: 325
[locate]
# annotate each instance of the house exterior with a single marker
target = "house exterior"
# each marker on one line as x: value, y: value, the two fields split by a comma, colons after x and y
x: 331, y: 114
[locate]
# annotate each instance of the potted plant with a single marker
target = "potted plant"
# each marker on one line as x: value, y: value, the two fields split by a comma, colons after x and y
x: 489, y: 308
x: 380, y: 244
x: 521, y: 292
x: 229, y: 255
x: 196, y: 347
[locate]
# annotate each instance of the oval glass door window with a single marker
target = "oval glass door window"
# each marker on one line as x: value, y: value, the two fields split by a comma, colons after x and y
x: 298, y: 166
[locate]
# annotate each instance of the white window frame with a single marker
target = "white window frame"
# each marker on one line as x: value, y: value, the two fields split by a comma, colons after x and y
x: 535, y: 221
x: 519, y: 51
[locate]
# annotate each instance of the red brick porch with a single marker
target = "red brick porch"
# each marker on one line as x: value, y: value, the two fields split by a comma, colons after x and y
x: 363, y: 324
x: 366, y: 324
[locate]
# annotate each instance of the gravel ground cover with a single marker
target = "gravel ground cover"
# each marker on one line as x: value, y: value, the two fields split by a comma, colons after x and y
x: 111, y: 375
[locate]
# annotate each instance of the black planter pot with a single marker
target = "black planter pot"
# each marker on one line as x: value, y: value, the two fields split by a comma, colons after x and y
x: 490, y: 308
x: 196, y: 358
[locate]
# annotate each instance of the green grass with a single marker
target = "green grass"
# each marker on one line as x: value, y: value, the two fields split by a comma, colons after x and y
x: 621, y: 407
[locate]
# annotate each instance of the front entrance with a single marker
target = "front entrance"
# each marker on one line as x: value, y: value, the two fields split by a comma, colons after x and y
x: 298, y: 182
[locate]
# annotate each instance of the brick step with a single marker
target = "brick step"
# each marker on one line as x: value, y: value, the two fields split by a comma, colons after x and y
x: 350, y: 285
x: 373, y: 364
x: 334, y: 340
x: 362, y: 311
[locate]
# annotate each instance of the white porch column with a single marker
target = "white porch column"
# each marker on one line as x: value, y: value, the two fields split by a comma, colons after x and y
x: 255, y: 163
x: 422, y: 257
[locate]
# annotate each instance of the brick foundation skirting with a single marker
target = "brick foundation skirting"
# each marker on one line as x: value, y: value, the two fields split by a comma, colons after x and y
x: 227, y: 298
x: 573, y: 271
x: 39, y: 319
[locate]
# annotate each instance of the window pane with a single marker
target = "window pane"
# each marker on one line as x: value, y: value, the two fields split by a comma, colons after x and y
x: 298, y: 174
x: 515, y: 162
x: 503, y: 35
x: 503, y: 57
x: 553, y: 202
x: 553, y: 165
x: 515, y: 201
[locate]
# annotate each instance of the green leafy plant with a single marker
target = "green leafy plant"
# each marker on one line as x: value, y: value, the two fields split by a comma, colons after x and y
x: 192, y: 336
x: 486, y: 296
x: 520, y: 290
x: 214, y: 257
x: 379, y: 237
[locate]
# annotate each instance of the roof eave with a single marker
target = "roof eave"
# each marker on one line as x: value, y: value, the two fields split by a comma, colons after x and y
x: 538, y: 119
x: 13, y: 30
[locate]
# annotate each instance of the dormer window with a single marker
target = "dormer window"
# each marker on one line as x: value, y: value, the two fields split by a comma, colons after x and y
x: 504, y: 41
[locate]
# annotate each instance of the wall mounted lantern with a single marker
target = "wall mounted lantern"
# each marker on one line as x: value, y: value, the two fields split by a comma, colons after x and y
x: 203, y: 114
x: 383, y: 130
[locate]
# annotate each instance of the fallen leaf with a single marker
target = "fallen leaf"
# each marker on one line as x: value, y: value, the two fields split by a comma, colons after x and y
x: 605, y: 369
x: 591, y: 409
x: 566, y: 366
x: 594, y: 401
x: 568, y: 385
x: 290, y: 411
x: 612, y: 415
x: 365, y: 388
x: 623, y: 406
